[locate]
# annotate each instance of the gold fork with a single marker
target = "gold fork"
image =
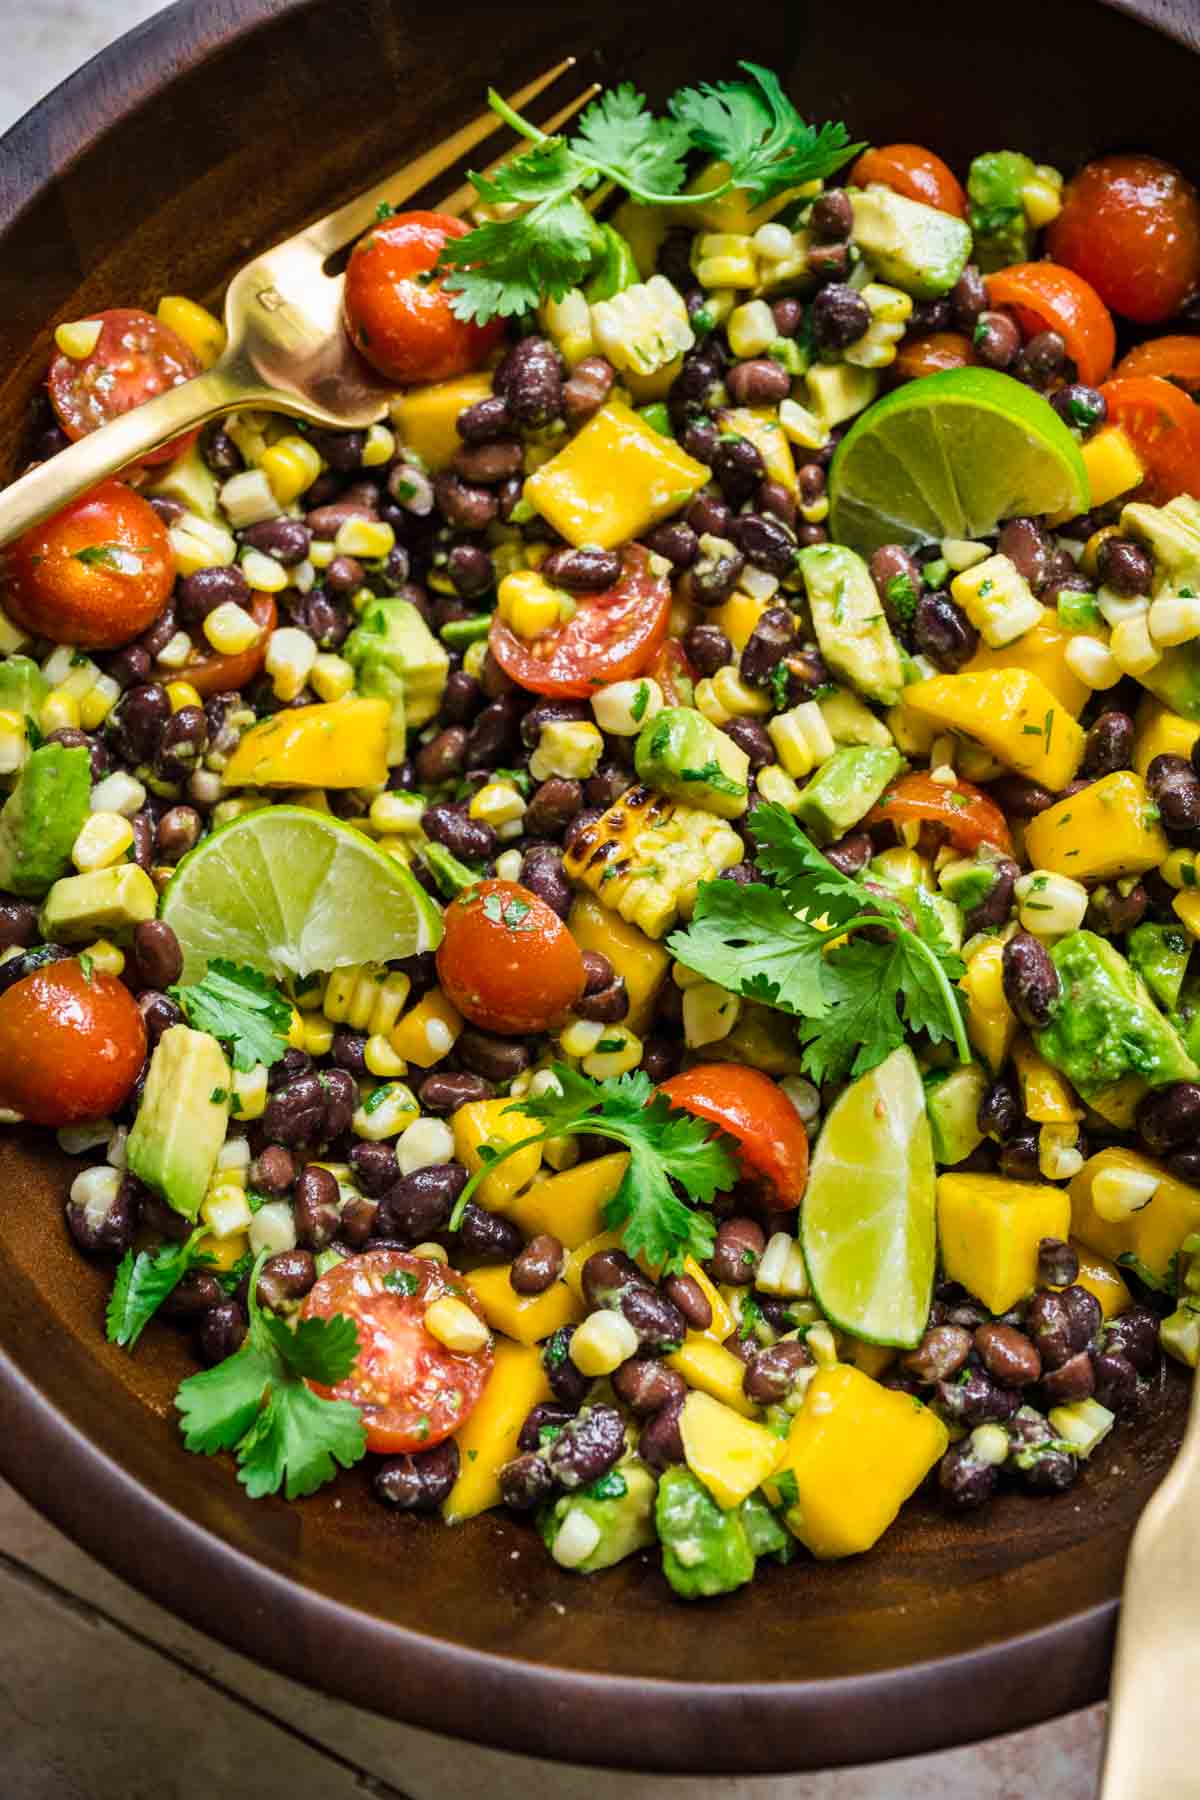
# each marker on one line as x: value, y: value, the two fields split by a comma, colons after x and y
x: 286, y: 346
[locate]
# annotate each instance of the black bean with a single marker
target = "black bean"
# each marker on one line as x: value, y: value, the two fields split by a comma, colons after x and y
x: 587, y: 388
x: 965, y: 1482
x: 349, y: 1051
x: 1028, y: 547
x: 606, y: 1005
x: 661, y: 1442
x: 419, y: 1205
x: 548, y: 1415
x: 583, y: 571
x: 552, y: 806
x: 543, y: 874
x: 752, y: 737
x: 1169, y: 1117
x: 1134, y: 1334
x: 197, y: 1293
x: 341, y: 1101
x: 1109, y: 744
x: 444, y: 756
x: 326, y: 521
x: 484, y: 467
x: 486, y: 420
x: 289, y: 1065
x: 453, y: 827
x: 526, y: 1481
x: 661, y: 1057
x: 1052, y: 1472
x: 839, y: 316
x: 463, y: 505
x: 676, y: 541
x: 1000, y: 1116
x: 1043, y: 359
x: 993, y: 910
x: 588, y: 1447
x: 607, y: 1274
x: 222, y: 1331
x: 759, y: 382
x: 1110, y: 912
x: 739, y: 468
x: 344, y: 576
x: 832, y: 216
x: 1018, y: 1159
x: 107, y: 1228
x: 486, y: 1235
x: 1048, y: 1324
x: 470, y: 569
x: 287, y: 540
x: 181, y: 744
x: 538, y: 1266
x: 940, y: 1354
x: 295, y: 1114
x: 445, y: 1092
x: 709, y: 516
x: 943, y: 632
x: 646, y: 1385
x: 491, y: 738
x: 1124, y: 566
x: 462, y: 697
x: 1115, y: 1380
x: 178, y: 832
x: 1175, y: 789
x: 829, y: 262
x: 968, y: 298
x: 375, y: 1170
x: 694, y: 389
x: 220, y: 452
x: 1084, y: 1314
x: 567, y: 1383
x: 851, y: 853
x: 685, y: 1292
x: 606, y: 785
x: 200, y: 593
x: 701, y: 440
x: 286, y: 1276
x: 1008, y: 1355
x: 737, y: 1252
x: 1019, y: 798
x: 530, y: 381
x: 765, y: 542
x: 977, y: 1400
x: 898, y: 582
x: 773, y: 637
x: 128, y: 667
x: 1057, y: 1264
x: 996, y: 339
x: 136, y: 722
x: 773, y: 1372
x: 659, y: 1324
x: 159, y: 1012
x: 315, y: 1208
x: 273, y: 1170
x: 157, y: 957
x: 420, y: 1480
x: 497, y: 1059
x: 359, y: 1220
x: 1080, y: 406
x: 1031, y: 981
x: 1074, y: 1379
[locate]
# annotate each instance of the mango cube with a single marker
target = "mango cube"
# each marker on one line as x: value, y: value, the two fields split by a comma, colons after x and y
x: 427, y: 417
x: 1161, y: 732
x: 989, y: 1230
x: 1103, y: 1279
x: 855, y: 1453
x: 641, y: 962
x: 336, y: 744
x: 1010, y: 712
x: 488, y: 1440
x: 570, y: 1206
x: 760, y: 424
x: 613, y: 480
x: 526, y: 1318
x: 1155, y: 1232
x: 491, y: 1123
x: 729, y: 1454
x: 991, y: 1022
x: 1107, y: 831
x: 709, y: 1368
x: 1042, y: 652
x: 1048, y: 1098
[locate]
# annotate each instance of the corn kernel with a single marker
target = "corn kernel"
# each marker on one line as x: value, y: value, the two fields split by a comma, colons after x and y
x: 623, y: 707
x: 175, y: 652
x: 1059, y: 1155
x: 528, y: 603
x: 1050, y: 905
x: 389, y: 1003
x: 264, y: 573
x: 395, y: 812
x: 331, y: 677
x: 14, y: 745
x: 802, y: 426
x: 230, y: 629
x: 1093, y: 662
x: 710, y: 1013
x: 567, y: 747
x: 98, y: 702
x: 569, y: 323
x: 474, y: 657
x: 321, y: 553
x: 102, y: 841
x: 644, y: 328
x: 107, y: 958
x: 990, y: 1445
x: 576, y: 1538
x: 273, y: 1228
x: 802, y: 738
x: 782, y: 1269
x: 579, y: 1037
x: 295, y: 1032
x: 249, y: 1090
x: 616, y: 1053
x: 1042, y: 203
x: 431, y: 1253
x: 226, y: 1209
x: 509, y: 864
x: 382, y: 1060
x: 739, y: 699
x: 59, y: 711
x: 775, y: 784
x: 752, y: 328
x: 290, y: 656
x: 390, y: 1109
x: 291, y: 466
x: 602, y: 1343
x: 203, y: 334
x: 424, y: 1144
x: 1118, y: 1193
x: 248, y: 498
x: 318, y: 1035
x: 723, y: 259
x: 1174, y: 619
x: 997, y: 599
x: 1115, y: 608
x: 379, y: 446
x: 198, y: 543
x: 369, y: 538
x: 78, y: 338
x: 774, y: 243
x: 497, y: 803
x: 1132, y: 648
x: 453, y: 1324
x: 181, y: 694
x: 233, y: 1159
x: 708, y: 705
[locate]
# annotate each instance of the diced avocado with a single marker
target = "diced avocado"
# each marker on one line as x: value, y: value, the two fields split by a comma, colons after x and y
x: 850, y: 722
x: 621, y: 1506
x: 23, y: 687
x: 1185, y: 1015
x: 1175, y: 678
x: 851, y: 625
x: 189, y: 480
x: 452, y: 876
x: 1160, y: 953
x: 614, y: 268
x: 398, y: 659
x: 1171, y: 533
x: 684, y: 756
x: 706, y: 1550
x: 42, y: 817
x: 105, y: 903
x: 839, y: 391
x: 969, y: 880
x: 995, y: 184
x: 844, y: 789
x: 913, y: 246
x: 952, y: 1102
x: 1105, y: 1025
x: 766, y: 1533
x: 181, y: 1122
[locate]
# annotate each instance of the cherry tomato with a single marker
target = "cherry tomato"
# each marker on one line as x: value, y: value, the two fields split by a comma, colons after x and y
x: 915, y: 172
x: 1046, y: 297
x: 72, y: 1044
x: 1131, y: 226
x: 769, y: 1131
x: 135, y: 358
x: 507, y: 961
x: 1164, y: 425
x: 413, y: 1391
x: 674, y: 673
x: 968, y: 816
x: 932, y: 355
x: 610, y: 637
x: 225, y: 674
x: 1176, y: 359
x: 96, y: 574
x: 398, y: 315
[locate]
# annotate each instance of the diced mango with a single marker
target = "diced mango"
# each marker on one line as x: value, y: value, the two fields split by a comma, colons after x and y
x: 1154, y: 1233
x: 613, y: 480
x: 712, y: 1369
x: 1106, y: 831
x: 1011, y: 713
x: 1113, y: 465
x: 336, y: 744
x: 527, y: 1318
x: 641, y: 962
x: 731, y: 1455
x: 855, y: 1453
x: 873, y: 1359
x: 723, y: 1320
x: 1041, y: 651
x: 989, y: 1230
x: 570, y: 1206
x: 1161, y: 732
x: 737, y: 617
x: 491, y: 1122
x: 760, y: 424
x: 488, y: 1440
x: 991, y: 1022
x: 1048, y: 1098
x: 732, y: 211
x: 1119, y: 1103
x: 427, y: 417
x: 644, y: 390
x: 412, y: 1038
x: 573, y: 1267
x: 223, y: 1253
x: 1102, y: 1278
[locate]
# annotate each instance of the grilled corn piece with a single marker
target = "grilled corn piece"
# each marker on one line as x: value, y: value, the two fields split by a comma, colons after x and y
x: 647, y: 855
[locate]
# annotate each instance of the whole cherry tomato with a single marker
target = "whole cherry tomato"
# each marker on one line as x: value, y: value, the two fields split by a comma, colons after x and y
x: 1175, y: 358
x: 1131, y: 226
x: 969, y: 817
x: 770, y: 1134
x: 399, y: 314
x: 915, y: 172
x: 413, y: 1391
x: 135, y: 357
x: 215, y: 674
x: 610, y: 636
x: 72, y: 1044
x: 507, y: 961
x: 1164, y: 426
x: 932, y: 355
x: 1047, y: 297
x: 96, y: 574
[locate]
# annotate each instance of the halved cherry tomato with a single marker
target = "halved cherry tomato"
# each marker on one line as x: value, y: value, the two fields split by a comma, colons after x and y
x: 399, y: 315
x: 135, y: 358
x: 1131, y: 226
x: 72, y: 1044
x: 969, y: 817
x: 932, y: 355
x: 674, y: 673
x: 413, y: 1391
x: 1175, y: 358
x: 507, y: 961
x: 96, y: 574
x: 1046, y: 297
x: 915, y: 172
x: 1164, y: 425
x: 610, y: 636
x: 224, y: 674
x: 770, y: 1134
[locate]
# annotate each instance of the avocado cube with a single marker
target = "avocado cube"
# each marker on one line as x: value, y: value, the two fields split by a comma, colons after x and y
x: 23, y: 687
x: 620, y: 1505
x: 705, y: 1549
x: 189, y: 480
x: 844, y: 790
x: 1105, y: 1025
x: 995, y: 189
x: 1171, y: 533
x: 183, y: 1117
x: 952, y: 1101
x: 684, y: 756
x: 398, y: 659
x: 102, y: 903
x: 851, y: 626
x: 1160, y: 955
x: 42, y: 817
x: 915, y: 247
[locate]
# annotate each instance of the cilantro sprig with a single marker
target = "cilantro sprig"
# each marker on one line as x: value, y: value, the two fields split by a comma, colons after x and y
x: 239, y: 1006
x: 144, y: 1281
x: 508, y: 266
x: 794, y: 946
x: 664, y: 1146
x: 257, y: 1403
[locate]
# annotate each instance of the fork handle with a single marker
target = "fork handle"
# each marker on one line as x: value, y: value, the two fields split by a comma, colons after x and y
x: 50, y: 486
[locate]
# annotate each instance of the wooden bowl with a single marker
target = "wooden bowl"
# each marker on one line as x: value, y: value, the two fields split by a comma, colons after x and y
x: 204, y: 134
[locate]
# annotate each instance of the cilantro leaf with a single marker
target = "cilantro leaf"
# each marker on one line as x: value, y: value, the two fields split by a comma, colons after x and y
x: 143, y: 1282
x: 787, y: 856
x: 750, y: 940
x: 507, y: 267
x: 617, y: 131
x: 220, y: 1405
x: 242, y: 1008
x: 298, y: 1441
x: 759, y: 133
x: 318, y: 1349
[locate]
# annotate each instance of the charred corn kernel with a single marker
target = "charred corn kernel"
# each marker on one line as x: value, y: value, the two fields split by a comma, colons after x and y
x: 1174, y: 619
x: 203, y: 333
x: 248, y: 498
x: 424, y: 1144
x: 782, y: 1269
x: 775, y: 784
x: 616, y: 1052
x: 710, y: 1013
x: 644, y: 327
x: 14, y: 745
x: 291, y: 465
x: 1132, y: 648
x: 249, y: 1090
x: 453, y: 1324
x: 490, y: 1124
x: 396, y: 813
x: 801, y: 426
x: 568, y: 747
x: 646, y: 855
x: 428, y: 1032
x: 59, y: 711
x: 181, y: 694
x: 579, y: 1037
x: 78, y: 338
x: 730, y: 1454
x: 265, y: 575
x: 1050, y: 905
x: 752, y: 328
x: 802, y: 738
x: 890, y: 311
x: 602, y: 1343
x: 290, y: 656
x: 528, y: 603
x: 1093, y: 662
x: 997, y: 599
x: 331, y: 677
x: 1118, y: 1192
x: 226, y: 1210
x: 739, y: 700
x: 102, y: 841
x: 623, y: 707
x: 1187, y: 907
x: 368, y: 538
x: 230, y: 629
x: 568, y: 323
x: 388, y: 1110
x: 1059, y: 1156
x: 497, y: 804
x: 724, y: 259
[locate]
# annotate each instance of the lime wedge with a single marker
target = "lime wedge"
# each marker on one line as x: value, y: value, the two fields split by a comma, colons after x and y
x: 868, y: 1228
x: 294, y: 892
x: 950, y: 456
